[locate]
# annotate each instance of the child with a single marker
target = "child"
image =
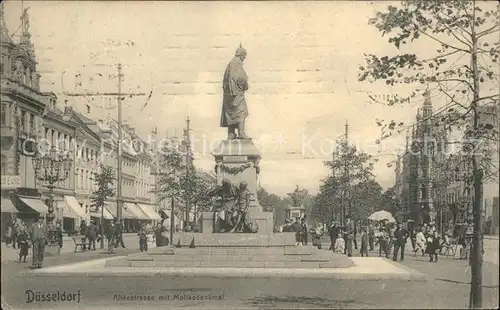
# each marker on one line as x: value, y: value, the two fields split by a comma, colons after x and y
x: 364, y: 243
x: 339, y: 244
x: 22, y: 241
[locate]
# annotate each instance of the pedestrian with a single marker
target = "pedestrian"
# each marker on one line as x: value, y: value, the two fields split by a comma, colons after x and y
x: 92, y: 235
x: 288, y: 226
x: 297, y: 228
x: 304, y: 232
x: 413, y: 239
x: 39, y: 235
x: 334, y: 231
x: 433, y: 246
x: 400, y: 236
x: 339, y: 244
x: 143, y: 241
x: 111, y: 237
x: 83, y: 233
x: 364, y: 242
x: 371, y: 236
x: 355, y: 234
x: 23, y: 243
x: 420, y: 242
x: 59, y: 234
x: 119, y: 234
x: 317, y: 237
x: 349, y: 236
x: 382, y: 241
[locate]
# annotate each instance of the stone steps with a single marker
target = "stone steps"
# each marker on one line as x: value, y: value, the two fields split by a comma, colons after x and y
x: 223, y: 264
x: 228, y: 258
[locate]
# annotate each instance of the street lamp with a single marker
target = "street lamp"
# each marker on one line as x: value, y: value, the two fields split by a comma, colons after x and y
x: 51, y: 168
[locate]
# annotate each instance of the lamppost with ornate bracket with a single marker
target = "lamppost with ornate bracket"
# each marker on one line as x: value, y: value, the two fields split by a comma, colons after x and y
x: 51, y: 168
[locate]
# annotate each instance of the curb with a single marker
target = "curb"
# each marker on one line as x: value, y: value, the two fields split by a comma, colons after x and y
x: 323, y: 273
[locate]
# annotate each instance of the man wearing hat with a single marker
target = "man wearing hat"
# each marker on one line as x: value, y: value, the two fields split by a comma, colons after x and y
x: 234, y: 105
x: 39, y: 236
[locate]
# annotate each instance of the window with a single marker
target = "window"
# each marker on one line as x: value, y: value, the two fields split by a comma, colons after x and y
x: 3, y: 114
x: 22, y: 123
x: 32, y: 123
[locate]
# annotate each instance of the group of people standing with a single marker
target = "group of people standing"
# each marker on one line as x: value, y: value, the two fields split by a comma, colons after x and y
x: 299, y: 227
x: 344, y: 238
x: 37, y: 236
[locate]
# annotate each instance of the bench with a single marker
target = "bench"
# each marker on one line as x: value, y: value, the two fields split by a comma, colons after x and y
x: 80, y: 241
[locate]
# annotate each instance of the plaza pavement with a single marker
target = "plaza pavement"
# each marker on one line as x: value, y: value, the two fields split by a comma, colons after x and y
x: 447, y: 286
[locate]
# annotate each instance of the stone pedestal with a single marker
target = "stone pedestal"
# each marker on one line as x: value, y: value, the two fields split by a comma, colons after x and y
x: 238, y: 160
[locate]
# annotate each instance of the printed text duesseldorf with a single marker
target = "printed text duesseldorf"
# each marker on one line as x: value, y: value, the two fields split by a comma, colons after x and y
x: 57, y: 296
x: 168, y: 297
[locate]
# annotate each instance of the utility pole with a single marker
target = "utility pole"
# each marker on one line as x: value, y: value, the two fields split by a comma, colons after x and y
x: 120, y: 98
x: 188, y: 167
x: 119, y: 200
x: 345, y: 207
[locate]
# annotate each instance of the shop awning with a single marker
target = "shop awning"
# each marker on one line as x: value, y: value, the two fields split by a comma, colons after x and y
x: 7, y: 206
x: 125, y: 213
x: 36, y: 204
x: 134, y: 208
x: 105, y: 213
x: 150, y: 211
x: 66, y: 210
x: 75, y: 206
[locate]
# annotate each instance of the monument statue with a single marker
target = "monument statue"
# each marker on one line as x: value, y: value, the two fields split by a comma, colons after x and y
x: 25, y: 20
x: 234, y: 105
x: 298, y: 196
x: 231, y: 210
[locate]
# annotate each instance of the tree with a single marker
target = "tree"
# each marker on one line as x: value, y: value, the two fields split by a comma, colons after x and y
x: 366, y: 198
x: 104, y: 182
x: 464, y: 38
x: 348, y: 168
x: 180, y: 183
x: 390, y: 202
x: 273, y: 203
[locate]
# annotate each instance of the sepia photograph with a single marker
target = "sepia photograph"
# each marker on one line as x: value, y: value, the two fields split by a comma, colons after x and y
x: 250, y: 154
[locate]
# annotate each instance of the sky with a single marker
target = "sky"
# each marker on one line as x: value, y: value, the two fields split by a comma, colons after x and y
x: 302, y: 65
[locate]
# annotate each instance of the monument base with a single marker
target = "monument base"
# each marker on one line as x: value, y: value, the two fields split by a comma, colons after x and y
x: 230, y: 250
x: 263, y: 219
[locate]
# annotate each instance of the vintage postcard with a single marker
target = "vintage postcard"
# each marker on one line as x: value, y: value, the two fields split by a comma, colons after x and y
x: 249, y: 154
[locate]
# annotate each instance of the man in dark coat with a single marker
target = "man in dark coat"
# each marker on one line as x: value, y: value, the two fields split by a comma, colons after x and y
x: 119, y: 234
x: 110, y: 236
x: 83, y: 232
x: 39, y: 236
x: 334, y: 232
x: 400, y: 237
x: 297, y: 228
x: 92, y: 235
x: 349, y: 236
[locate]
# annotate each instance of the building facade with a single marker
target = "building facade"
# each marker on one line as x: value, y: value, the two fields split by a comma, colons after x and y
x: 434, y: 180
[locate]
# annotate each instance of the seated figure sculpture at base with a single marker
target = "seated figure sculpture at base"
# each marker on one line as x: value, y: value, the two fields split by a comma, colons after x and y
x: 231, y: 209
